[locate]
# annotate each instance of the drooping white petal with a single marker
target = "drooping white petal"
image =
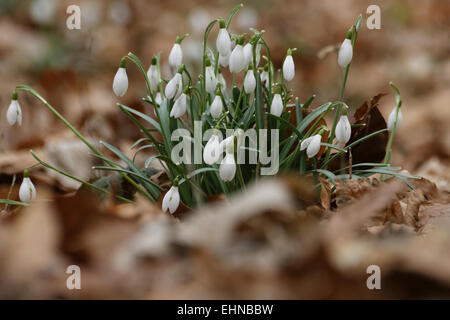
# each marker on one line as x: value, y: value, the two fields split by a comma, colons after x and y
x: 120, y: 83
x: 176, y: 56
x: 153, y: 77
x: 343, y: 130
x: 227, y: 168
x: 171, y: 200
x: 158, y: 98
x: 305, y: 143
x: 27, y: 191
x: 248, y: 52
x: 223, y: 42
x: 345, y: 53
x: 288, y: 68
x: 211, y: 81
x: 224, y: 60
x: 173, y: 88
x: 216, y: 107
x: 249, y: 82
x: 237, y: 59
x: 212, y: 151
x: 225, y: 142
x: 314, y: 146
x: 179, y: 107
x: 14, y: 113
x: 265, y: 78
x: 276, y: 107
x: 391, y: 119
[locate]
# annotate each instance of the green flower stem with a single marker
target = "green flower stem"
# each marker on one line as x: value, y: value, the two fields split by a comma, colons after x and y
x: 240, y: 177
x: 80, y: 136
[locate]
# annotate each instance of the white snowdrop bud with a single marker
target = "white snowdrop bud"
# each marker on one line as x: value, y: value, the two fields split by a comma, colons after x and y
x: 210, y: 77
x: 212, y: 151
x: 27, y: 191
x: 248, y: 52
x: 171, y: 200
x: 249, y: 82
x: 237, y: 57
x: 345, y: 53
x: 176, y: 56
x: 174, y: 86
x: 312, y: 145
x: 216, y: 107
x: 153, y: 75
x: 14, y: 113
x: 391, y: 119
x: 276, y: 107
x: 179, y: 107
x: 343, y: 130
x: 120, y: 83
x: 227, y: 169
x: 288, y: 67
x: 223, y: 42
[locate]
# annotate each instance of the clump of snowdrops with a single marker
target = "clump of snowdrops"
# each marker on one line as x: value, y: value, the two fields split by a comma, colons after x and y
x: 262, y: 101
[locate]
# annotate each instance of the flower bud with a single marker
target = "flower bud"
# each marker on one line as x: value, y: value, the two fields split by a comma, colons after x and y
x: 153, y: 75
x: 171, y: 200
x: 27, y: 191
x: 249, y: 82
x: 176, y: 56
x: 237, y: 58
x: 211, y: 81
x: 173, y: 88
x: 248, y: 52
x: 391, y: 119
x: 288, y: 67
x: 120, y: 83
x: 276, y: 107
x: 223, y: 42
x: 345, y: 53
x: 343, y: 130
x: 216, y: 107
x: 179, y: 107
x: 14, y: 113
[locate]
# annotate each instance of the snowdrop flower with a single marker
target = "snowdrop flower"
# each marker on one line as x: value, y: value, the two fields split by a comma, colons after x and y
x: 248, y: 52
x: 312, y: 145
x: 176, y: 54
x: 391, y: 119
x: 179, y: 107
x: 212, y: 150
x: 346, y: 51
x: 221, y: 80
x: 223, y: 42
x: 343, y: 129
x: 249, y: 81
x: 216, y: 107
x: 224, y: 60
x: 153, y: 75
x: 174, y: 86
x: 237, y: 57
x: 14, y: 113
x: 120, y: 83
x: 227, y: 169
x: 210, y: 77
x: 27, y: 191
x: 288, y: 66
x: 171, y: 200
x: 276, y: 108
